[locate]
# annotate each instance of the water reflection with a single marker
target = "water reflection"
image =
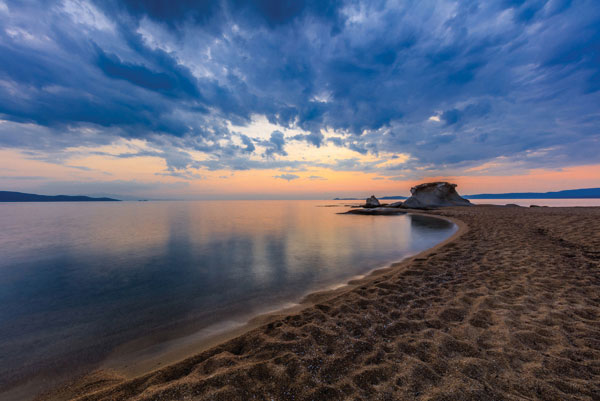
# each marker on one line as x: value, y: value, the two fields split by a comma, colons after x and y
x: 76, y: 280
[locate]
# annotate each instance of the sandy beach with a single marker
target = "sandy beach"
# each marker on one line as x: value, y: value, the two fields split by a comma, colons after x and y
x: 507, y: 309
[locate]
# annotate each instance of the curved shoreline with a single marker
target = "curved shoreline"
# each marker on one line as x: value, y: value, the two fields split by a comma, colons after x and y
x: 321, y: 296
x: 506, y: 309
x: 184, y: 347
x: 141, y: 361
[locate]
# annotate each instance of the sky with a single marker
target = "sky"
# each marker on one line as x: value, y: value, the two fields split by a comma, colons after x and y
x: 237, y: 99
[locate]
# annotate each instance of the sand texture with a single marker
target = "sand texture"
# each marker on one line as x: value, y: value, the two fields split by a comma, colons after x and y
x: 509, y: 310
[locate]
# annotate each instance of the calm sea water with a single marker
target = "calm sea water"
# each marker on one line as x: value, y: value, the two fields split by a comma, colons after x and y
x: 79, y: 279
x: 539, y: 202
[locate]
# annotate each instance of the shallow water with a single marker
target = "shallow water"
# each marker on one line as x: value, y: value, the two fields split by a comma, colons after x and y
x: 79, y: 279
x: 539, y: 202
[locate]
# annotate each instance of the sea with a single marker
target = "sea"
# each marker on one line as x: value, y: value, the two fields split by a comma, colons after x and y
x: 540, y: 202
x: 81, y: 282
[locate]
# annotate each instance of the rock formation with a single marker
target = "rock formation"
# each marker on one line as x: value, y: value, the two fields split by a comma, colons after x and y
x: 434, y: 194
x: 377, y: 211
x: 372, y: 202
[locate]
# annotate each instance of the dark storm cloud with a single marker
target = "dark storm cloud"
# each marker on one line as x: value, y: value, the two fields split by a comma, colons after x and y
x: 204, y: 12
x: 511, y: 79
x: 314, y: 138
x: 174, y: 81
x: 457, y: 116
x: 248, y: 143
x: 275, y: 144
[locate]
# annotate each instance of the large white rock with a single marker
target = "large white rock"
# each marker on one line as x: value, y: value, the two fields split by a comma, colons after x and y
x: 434, y: 194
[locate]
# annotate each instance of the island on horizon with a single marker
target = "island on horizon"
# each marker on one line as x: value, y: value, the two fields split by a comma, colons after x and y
x: 9, y: 196
x: 583, y: 193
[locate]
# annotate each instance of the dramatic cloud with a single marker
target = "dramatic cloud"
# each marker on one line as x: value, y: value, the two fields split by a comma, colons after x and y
x: 452, y: 84
x: 275, y: 144
x: 287, y: 177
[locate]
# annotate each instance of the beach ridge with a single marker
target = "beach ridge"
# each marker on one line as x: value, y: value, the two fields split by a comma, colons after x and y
x: 487, y: 314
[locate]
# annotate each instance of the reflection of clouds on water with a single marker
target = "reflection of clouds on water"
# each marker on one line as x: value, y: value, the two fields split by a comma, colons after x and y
x: 86, y: 278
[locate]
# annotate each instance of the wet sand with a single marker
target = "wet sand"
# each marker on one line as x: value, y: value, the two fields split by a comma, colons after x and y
x: 508, y: 309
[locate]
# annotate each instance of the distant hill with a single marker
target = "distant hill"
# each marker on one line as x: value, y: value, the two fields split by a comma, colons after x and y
x: 7, y: 196
x: 586, y: 193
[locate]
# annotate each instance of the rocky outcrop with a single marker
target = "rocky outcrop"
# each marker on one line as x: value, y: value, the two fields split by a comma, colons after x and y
x: 377, y: 211
x: 434, y: 194
x: 372, y: 202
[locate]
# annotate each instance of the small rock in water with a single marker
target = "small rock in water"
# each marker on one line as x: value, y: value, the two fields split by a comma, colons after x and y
x: 372, y: 202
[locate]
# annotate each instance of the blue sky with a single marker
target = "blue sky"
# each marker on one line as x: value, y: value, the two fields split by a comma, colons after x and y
x: 400, y: 91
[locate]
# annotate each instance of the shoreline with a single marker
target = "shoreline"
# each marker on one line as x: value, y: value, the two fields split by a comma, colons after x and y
x: 508, y: 308
x: 143, y: 355
x: 188, y: 345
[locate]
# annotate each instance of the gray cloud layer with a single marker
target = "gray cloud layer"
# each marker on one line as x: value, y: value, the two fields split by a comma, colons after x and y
x: 513, y: 79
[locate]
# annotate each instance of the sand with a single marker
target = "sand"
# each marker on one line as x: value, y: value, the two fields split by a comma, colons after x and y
x: 509, y: 309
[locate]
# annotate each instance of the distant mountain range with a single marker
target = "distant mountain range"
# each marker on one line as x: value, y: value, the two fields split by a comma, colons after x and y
x: 586, y: 193
x: 7, y: 196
